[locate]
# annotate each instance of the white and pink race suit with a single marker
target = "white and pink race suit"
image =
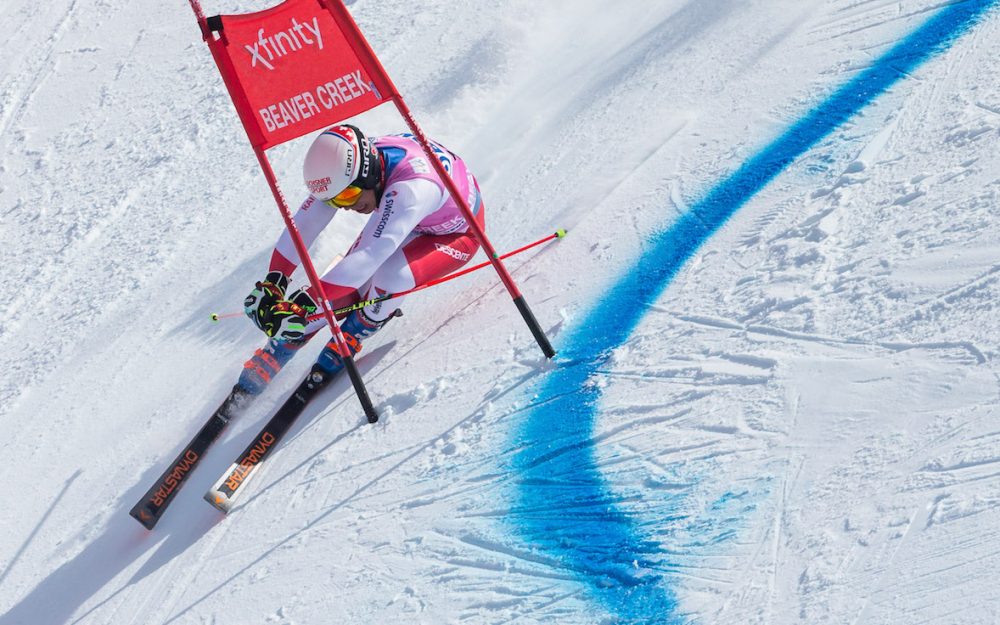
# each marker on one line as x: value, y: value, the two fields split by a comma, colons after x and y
x: 416, y: 235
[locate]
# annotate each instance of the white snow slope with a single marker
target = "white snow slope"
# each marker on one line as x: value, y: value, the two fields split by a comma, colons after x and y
x: 802, y: 427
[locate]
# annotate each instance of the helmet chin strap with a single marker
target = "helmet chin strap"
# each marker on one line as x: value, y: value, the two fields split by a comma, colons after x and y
x: 380, y: 187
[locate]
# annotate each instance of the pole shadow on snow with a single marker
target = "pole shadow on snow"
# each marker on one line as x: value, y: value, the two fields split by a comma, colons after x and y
x: 58, y: 597
x: 225, y: 296
x: 563, y: 508
x: 64, y: 591
x: 9, y: 565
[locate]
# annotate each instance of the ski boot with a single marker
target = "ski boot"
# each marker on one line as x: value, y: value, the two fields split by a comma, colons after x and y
x: 356, y: 327
x: 266, y: 363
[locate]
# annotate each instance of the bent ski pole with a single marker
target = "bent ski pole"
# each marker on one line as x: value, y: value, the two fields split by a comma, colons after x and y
x: 558, y: 234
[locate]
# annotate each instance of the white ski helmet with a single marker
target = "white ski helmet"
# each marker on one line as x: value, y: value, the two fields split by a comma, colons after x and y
x: 338, y: 158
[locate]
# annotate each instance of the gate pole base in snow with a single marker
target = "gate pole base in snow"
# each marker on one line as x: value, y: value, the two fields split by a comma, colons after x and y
x: 359, y: 388
x: 536, y: 330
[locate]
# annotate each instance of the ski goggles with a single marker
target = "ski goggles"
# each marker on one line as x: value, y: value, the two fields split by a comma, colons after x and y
x: 346, y: 198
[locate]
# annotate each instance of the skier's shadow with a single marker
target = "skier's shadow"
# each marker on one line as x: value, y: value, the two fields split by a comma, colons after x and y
x: 58, y: 597
x: 225, y: 296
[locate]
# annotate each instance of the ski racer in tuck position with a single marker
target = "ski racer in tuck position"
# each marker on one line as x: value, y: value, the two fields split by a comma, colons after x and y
x: 416, y: 233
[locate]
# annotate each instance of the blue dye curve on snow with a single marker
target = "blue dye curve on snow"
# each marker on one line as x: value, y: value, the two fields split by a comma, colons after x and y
x: 563, y: 509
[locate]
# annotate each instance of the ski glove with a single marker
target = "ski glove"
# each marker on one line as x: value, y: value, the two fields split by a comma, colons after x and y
x: 262, y: 299
x: 287, y: 320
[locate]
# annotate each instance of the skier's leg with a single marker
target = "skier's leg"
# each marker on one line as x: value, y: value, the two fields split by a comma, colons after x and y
x: 267, y: 362
x: 420, y: 259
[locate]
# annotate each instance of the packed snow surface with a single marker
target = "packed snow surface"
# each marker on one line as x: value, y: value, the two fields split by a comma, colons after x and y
x: 797, y: 422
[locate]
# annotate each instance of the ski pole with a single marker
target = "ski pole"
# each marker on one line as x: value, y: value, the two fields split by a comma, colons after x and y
x: 558, y: 234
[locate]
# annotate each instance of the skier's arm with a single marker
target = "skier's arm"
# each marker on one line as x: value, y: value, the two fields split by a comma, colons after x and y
x: 311, y: 218
x: 403, y: 206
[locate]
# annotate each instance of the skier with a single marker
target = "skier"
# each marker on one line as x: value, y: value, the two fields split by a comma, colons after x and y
x: 416, y: 233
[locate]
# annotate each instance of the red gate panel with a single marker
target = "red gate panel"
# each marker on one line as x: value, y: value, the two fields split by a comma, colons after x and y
x: 291, y: 70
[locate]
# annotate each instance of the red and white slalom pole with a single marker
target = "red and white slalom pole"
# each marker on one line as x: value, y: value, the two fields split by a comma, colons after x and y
x: 365, y: 52
x: 300, y: 246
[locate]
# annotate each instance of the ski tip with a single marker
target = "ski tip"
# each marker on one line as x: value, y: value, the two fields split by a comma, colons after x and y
x: 560, y: 233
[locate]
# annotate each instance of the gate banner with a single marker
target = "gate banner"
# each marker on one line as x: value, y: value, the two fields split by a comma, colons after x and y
x: 291, y: 70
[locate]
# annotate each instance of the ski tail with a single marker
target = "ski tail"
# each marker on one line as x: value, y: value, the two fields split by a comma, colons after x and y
x: 225, y: 492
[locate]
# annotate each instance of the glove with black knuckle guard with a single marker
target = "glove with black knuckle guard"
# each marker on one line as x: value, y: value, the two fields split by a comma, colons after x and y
x: 288, y: 318
x: 265, y: 295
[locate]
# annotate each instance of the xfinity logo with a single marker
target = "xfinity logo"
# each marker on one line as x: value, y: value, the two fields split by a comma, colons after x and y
x: 284, y: 42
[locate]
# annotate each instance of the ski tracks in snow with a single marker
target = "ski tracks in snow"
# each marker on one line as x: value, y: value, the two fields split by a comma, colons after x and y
x: 743, y: 427
x: 844, y: 291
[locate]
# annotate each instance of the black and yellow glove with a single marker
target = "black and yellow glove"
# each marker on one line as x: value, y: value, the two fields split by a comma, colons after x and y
x: 287, y: 319
x: 262, y: 299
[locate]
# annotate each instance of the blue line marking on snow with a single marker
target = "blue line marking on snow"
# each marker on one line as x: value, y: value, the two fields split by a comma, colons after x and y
x: 563, y: 509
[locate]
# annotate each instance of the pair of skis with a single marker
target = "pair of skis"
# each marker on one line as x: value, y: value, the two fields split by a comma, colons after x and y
x: 225, y: 491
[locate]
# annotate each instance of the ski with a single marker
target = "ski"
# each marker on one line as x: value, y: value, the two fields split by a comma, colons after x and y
x: 150, y: 508
x: 224, y: 493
